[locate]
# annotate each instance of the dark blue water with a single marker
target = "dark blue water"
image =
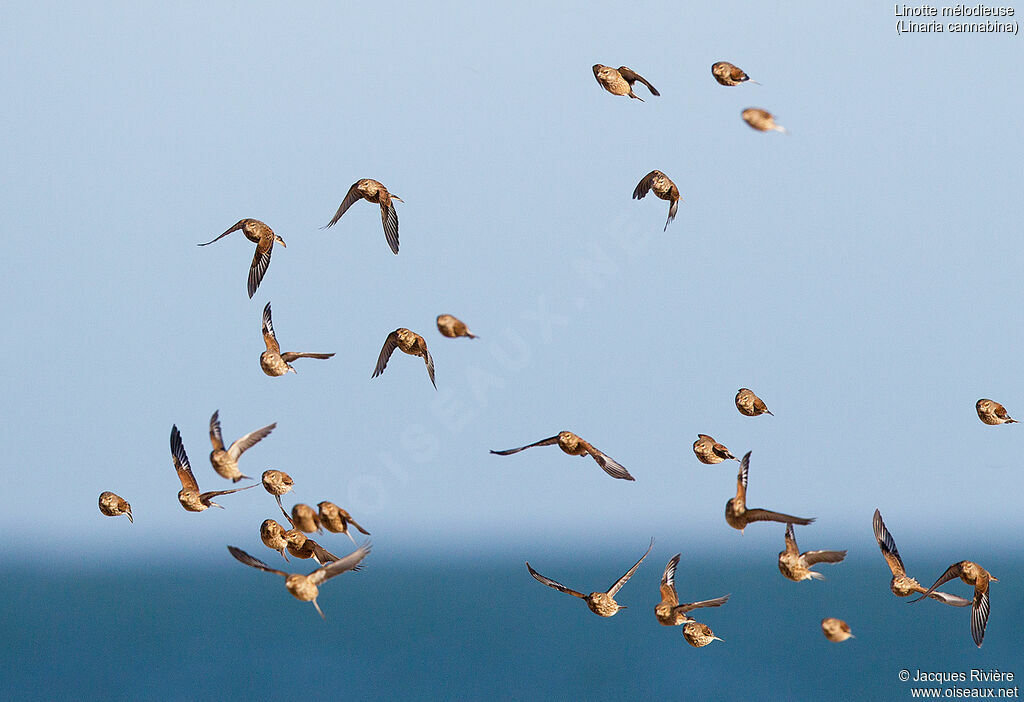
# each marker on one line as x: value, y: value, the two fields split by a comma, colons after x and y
x: 477, y: 631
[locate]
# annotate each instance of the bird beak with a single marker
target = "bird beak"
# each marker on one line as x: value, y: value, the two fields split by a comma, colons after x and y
x: 292, y: 370
x: 284, y: 552
x: 319, y: 610
x: 991, y: 577
x: 716, y: 638
x: 281, y: 242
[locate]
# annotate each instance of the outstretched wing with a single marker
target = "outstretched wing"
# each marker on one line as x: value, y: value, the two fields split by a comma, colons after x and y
x: 553, y: 583
x: 629, y: 573
x: 269, y: 338
x: 887, y: 545
x: 260, y: 263
x: 543, y: 442
x: 791, y: 547
x: 390, y: 344
x: 631, y: 76
x: 689, y: 606
x: 951, y: 600
x: 668, y: 582
x: 180, y: 459
x: 764, y: 515
x: 215, y: 493
x: 352, y: 561
x: 238, y: 225
x: 215, y: 437
x: 979, y: 617
x: 390, y: 220
x: 350, y: 199
x: 644, y: 186
x: 289, y: 356
x: 253, y: 562
x: 951, y: 573
x: 248, y: 441
x: 609, y: 464
x: 812, y: 557
x: 321, y: 554
x: 429, y: 360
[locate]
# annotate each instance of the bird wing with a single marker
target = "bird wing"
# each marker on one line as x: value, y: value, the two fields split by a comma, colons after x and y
x: 644, y: 186
x: 215, y: 437
x: 629, y: 573
x: 389, y: 217
x: 238, y: 225
x: 887, y: 545
x: 260, y: 263
x: 289, y: 356
x: 180, y: 459
x: 668, y: 582
x: 252, y: 561
x: 555, y: 584
x: 354, y: 523
x: 269, y: 338
x: 429, y: 361
x: 951, y: 573
x: 812, y: 557
x: 241, y: 445
x: 951, y: 600
x: 764, y: 515
x: 672, y: 210
x: 609, y: 464
x: 717, y: 602
x: 390, y: 344
x: 719, y: 449
x: 979, y: 617
x: 543, y: 442
x: 631, y: 76
x: 350, y: 199
x: 321, y: 554
x: 214, y: 493
x: 352, y: 561
x: 791, y: 547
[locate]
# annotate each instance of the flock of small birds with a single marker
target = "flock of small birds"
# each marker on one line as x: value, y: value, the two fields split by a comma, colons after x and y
x: 303, y: 519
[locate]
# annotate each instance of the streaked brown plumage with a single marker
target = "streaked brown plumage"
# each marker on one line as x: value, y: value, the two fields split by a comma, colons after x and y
x: 991, y: 412
x: 225, y: 462
x: 738, y: 516
x: 972, y: 574
x: 372, y: 191
x: 620, y: 81
x: 305, y: 587
x: 575, y: 446
x: 452, y: 327
x: 664, y: 188
x: 728, y: 74
x: 114, y: 505
x: 835, y: 630
x: 698, y: 635
x: 189, y: 496
x: 278, y: 483
x: 336, y: 520
x: 669, y: 612
x: 272, y: 535
x: 762, y: 120
x: 272, y: 361
x: 750, y: 404
x: 797, y: 566
x: 408, y: 342
x: 901, y: 584
x: 264, y: 238
x: 305, y: 519
x: 301, y: 546
x: 602, y: 604
x: 709, y: 451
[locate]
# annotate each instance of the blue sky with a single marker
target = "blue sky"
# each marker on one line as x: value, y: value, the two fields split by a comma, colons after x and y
x: 861, y: 275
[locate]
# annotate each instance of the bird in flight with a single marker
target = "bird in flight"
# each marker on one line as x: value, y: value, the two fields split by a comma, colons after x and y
x: 408, y: 342
x: 727, y: 74
x: 797, y: 566
x: 114, y: 505
x: 278, y: 483
x: 901, y: 584
x: 669, y: 612
x: 698, y: 635
x: 709, y: 451
x: 189, y: 496
x: 336, y: 520
x: 453, y: 327
x: 306, y: 587
x: 620, y: 82
x: 991, y: 412
x: 272, y: 535
x: 575, y: 446
x: 306, y: 519
x: 738, y: 516
x: 972, y: 574
x: 372, y: 191
x: 272, y: 361
x: 835, y: 630
x: 225, y: 462
x: 750, y: 404
x: 264, y: 237
x: 602, y: 604
x: 664, y: 188
x: 762, y: 120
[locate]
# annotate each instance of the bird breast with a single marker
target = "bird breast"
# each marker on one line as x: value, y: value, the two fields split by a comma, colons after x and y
x: 189, y: 499
x: 792, y: 568
x: 570, y: 443
x: 223, y: 464
x: 667, y: 617
x: 734, y: 511
x: 272, y: 364
x: 301, y: 587
x: 602, y: 604
x: 904, y: 586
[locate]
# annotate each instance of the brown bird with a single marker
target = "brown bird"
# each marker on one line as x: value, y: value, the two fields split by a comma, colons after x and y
x: 709, y: 451
x: 272, y: 361
x: 991, y: 412
x: 835, y: 630
x: 305, y: 519
x: 305, y: 587
x: 796, y: 566
x: 336, y: 520
x: 114, y: 505
x: 277, y: 483
x: 264, y: 237
x: 728, y: 74
x: 575, y: 446
x: 452, y: 327
x: 226, y: 462
x: 272, y: 535
x: 698, y: 635
x: 620, y: 82
x: 189, y: 496
x: 762, y: 120
x: 750, y: 404
x: 301, y: 546
x: 669, y: 612
x: 972, y: 574
x: 738, y: 516
x: 902, y: 585
x: 408, y: 342
x: 664, y: 188
x: 372, y: 191
x: 602, y: 604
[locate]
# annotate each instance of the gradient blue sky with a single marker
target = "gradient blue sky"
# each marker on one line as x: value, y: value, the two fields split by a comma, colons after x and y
x: 862, y: 275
